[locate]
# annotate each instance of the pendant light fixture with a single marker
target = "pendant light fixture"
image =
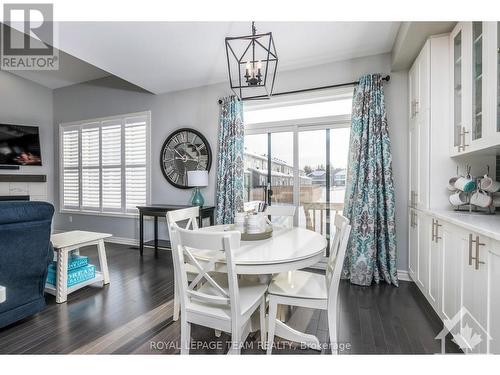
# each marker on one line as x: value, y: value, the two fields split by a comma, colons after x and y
x: 252, y: 62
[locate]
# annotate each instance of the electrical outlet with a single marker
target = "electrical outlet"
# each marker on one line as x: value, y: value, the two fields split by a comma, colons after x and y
x: 70, y: 218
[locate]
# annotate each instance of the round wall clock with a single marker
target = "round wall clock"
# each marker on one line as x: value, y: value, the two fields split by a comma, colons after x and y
x: 184, y: 150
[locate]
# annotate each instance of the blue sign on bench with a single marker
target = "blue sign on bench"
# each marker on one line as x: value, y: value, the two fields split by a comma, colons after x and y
x: 75, y: 276
x: 74, y: 262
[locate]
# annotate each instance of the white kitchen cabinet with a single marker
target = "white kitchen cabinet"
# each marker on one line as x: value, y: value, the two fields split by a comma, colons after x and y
x: 492, y: 71
x: 424, y: 242
x: 419, y: 99
x: 475, y: 290
x: 413, y: 246
x: 460, y: 135
x: 435, y: 264
x: 475, y: 123
x: 494, y: 298
x: 455, y: 241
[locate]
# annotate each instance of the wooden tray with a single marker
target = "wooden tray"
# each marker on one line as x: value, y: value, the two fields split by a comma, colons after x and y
x: 252, y: 236
x: 257, y: 236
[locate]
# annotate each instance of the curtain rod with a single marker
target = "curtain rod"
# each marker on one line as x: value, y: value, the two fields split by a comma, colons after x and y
x: 387, y: 78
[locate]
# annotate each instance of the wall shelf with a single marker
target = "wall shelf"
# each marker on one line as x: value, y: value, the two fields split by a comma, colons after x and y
x: 23, y: 178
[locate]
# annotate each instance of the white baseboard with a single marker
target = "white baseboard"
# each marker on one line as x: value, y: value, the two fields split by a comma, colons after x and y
x: 404, y: 275
x: 114, y: 239
x: 123, y: 241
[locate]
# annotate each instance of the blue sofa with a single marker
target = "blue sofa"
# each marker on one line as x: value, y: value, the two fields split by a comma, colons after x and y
x: 25, y: 253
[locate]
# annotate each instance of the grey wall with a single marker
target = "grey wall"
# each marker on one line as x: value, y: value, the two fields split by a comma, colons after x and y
x: 23, y: 102
x: 198, y: 108
x: 195, y: 108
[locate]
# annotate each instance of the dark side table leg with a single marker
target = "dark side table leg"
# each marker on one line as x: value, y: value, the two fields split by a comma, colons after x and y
x: 141, y: 233
x: 212, y: 218
x: 156, y: 235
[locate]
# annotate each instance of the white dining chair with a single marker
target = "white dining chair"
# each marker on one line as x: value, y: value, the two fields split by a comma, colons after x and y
x: 311, y: 290
x: 186, y: 218
x: 281, y: 216
x: 223, y: 302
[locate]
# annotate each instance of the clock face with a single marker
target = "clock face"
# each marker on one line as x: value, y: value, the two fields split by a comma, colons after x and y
x: 184, y: 150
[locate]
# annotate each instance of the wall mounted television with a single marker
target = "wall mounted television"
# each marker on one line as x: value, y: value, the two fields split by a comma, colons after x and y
x: 19, y: 145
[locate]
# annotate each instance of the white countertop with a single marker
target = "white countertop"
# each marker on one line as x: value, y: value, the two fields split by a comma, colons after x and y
x: 487, y: 225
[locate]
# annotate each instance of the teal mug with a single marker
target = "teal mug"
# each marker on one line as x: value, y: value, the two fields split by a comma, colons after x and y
x: 465, y: 184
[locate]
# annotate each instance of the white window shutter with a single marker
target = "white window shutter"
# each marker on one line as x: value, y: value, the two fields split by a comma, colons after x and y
x: 104, y: 165
x: 70, y: 175
x: 111, y: 154
x: 90, y: 167
x: 135, y: 162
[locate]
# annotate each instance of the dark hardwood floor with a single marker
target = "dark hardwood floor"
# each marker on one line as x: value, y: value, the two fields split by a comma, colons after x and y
x: 134, y: 315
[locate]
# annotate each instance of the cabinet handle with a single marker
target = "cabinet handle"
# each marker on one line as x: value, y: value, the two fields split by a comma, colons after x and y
x: 462, y: 139
x: 470, y: 249
x: 478, y: 262
x: 433, y: 236
x: 416, y: 106
x: 436, y: 236
x: 411, y: 218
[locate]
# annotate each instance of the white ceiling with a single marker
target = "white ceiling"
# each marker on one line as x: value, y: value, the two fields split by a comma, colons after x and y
x: 169, y: 56
x: 71, y: 72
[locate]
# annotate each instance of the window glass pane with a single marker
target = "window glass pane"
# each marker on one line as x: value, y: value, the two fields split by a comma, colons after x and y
x: 498, y: 77
x: 457, y: 82
x: 112, y: 188
x: 70, y: 148
x: 477, y: 77
x: 135, y: 143
x: 312, y: 175
x: 111, y: 144
x: 71, y: 188
x: 90, y: 147
x: 282, y: 168
x: 255, y: 164
x: 90, y: 188
x: 302, y: 111
x: 339, y: 157
x: 135, y: 187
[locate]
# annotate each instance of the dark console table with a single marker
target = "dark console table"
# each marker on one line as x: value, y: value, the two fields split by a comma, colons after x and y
x: 160, y: 210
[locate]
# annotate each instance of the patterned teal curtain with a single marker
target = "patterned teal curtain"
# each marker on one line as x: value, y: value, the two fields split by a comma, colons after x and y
x: 369, y: 200
x: 230, y: 161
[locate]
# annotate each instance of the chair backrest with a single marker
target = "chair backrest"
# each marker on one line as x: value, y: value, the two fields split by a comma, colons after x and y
x: 252, y: 206
x: 337, y: 255
x: 220, y: 246
x: 281, y: 216
x: 186, y: 218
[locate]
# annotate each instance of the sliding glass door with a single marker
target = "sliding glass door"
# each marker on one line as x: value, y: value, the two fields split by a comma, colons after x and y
x: 302, y: 167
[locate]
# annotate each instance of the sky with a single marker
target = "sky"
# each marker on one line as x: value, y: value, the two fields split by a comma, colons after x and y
x: 312, y: 147
x: 312, y: 143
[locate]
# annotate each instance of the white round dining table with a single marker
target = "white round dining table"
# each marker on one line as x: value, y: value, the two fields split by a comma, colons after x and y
x: 287, y: 250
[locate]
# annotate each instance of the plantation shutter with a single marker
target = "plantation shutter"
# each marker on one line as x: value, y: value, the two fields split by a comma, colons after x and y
x: 112, y: 165
x: 71, y: 170
x: 135, y: 162
x: 105, y: 164
x: 91, y: 166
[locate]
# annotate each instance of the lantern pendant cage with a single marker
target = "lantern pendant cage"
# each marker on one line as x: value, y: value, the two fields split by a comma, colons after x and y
x: 252, y: 63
